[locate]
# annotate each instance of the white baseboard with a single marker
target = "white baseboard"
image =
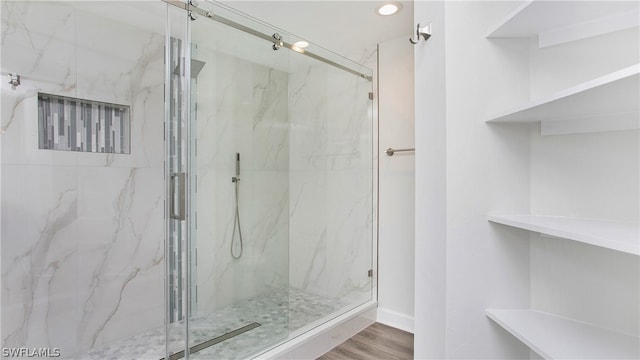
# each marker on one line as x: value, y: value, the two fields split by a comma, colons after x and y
x: 395, y: 319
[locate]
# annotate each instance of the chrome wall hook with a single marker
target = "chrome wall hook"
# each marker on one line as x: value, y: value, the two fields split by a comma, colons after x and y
x: 14, y: 80
x: 425, y: 32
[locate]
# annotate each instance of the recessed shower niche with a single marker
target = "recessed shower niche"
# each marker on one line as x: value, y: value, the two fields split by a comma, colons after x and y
x: 66, y: 123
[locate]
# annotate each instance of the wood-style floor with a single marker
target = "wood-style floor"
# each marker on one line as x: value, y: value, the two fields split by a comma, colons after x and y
x: 377, y: 342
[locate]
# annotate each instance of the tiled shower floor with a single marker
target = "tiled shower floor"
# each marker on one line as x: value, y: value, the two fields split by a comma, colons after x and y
x: 279, y: 313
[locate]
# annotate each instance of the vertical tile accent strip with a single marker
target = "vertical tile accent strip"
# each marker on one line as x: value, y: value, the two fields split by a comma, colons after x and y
x: 70, y: 124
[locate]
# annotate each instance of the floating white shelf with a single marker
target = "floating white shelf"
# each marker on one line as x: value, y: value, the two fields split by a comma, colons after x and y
x: 555, y: 337
x: 556, y: 22
x: 605, y: 98
x: 607, y: 234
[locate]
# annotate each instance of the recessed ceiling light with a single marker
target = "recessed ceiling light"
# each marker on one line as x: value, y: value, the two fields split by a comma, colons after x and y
x: 301, y: 44
x: 389, y: 8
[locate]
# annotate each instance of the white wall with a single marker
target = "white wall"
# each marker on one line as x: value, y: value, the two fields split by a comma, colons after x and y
x: 464, y: 169
x: 396, y: 184
x: 430, y: 190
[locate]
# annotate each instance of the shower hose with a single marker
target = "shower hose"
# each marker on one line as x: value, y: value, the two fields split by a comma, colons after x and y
x: 236, y: 223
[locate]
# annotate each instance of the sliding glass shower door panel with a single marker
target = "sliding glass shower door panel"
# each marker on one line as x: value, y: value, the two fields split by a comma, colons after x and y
x: 176, y: 186
x: 239, y: 192
x: 331, y: 182
x: 270, y: 185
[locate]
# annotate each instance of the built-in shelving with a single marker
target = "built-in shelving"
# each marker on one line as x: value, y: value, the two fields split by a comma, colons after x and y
x: 612, y: 235
x: 555, y: 337
x: 556, y: 22
x: 607, y: 99
x: 606, y: 103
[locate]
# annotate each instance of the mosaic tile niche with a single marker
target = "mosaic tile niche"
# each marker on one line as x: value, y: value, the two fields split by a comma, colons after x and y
x: 71, y: 124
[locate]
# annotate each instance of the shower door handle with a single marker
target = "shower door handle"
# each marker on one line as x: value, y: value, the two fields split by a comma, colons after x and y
x: 180, y: 194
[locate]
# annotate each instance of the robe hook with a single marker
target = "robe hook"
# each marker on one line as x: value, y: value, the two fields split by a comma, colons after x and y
x: 425, y: 32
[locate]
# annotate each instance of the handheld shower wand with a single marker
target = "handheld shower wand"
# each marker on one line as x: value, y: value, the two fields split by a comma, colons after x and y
x: 237, y: 166
x: 236, y: 220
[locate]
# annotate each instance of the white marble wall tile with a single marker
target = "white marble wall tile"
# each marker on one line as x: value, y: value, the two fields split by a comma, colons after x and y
x: 38, y: 256
x: 126, y: 67
x: 113, y: 68
x: 82, y: 249
x: 308, y: 118
x: 350, y: 187
x: 217, y: 144
x: 37, y: 41
x: 350, y: 124
x: 121, y: 269
x: 147, y: 131
x: 242, y: 107
x: 331, y: 233
x: 212, y: 118
x: 270, y: 124
x: 308, y: 202
x: 20, y: 128
x: 349, y: 232
x: 331, y: 184
x: 269, y: 231
x: 215, y: 221
x: 308, y: 229
x: 367, y: 57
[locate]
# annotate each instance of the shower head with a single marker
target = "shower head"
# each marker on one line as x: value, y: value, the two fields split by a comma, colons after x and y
x: 196, y: 67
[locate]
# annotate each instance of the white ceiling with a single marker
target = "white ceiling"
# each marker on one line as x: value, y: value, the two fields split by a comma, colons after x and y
x: 344, y: 27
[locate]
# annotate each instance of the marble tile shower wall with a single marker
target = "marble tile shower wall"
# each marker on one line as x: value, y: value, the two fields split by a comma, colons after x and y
x: 331, y: 184
x: 242, y: 108
x: 306, y: 194
x: 82, y: 233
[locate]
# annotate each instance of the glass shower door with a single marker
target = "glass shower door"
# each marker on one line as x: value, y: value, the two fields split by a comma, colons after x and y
x: 274, y: 163
x: 177, y: 152
x: 239, y: 192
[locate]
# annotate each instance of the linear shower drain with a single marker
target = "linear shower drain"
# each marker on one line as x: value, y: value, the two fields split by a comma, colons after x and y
x: 215, y: 340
